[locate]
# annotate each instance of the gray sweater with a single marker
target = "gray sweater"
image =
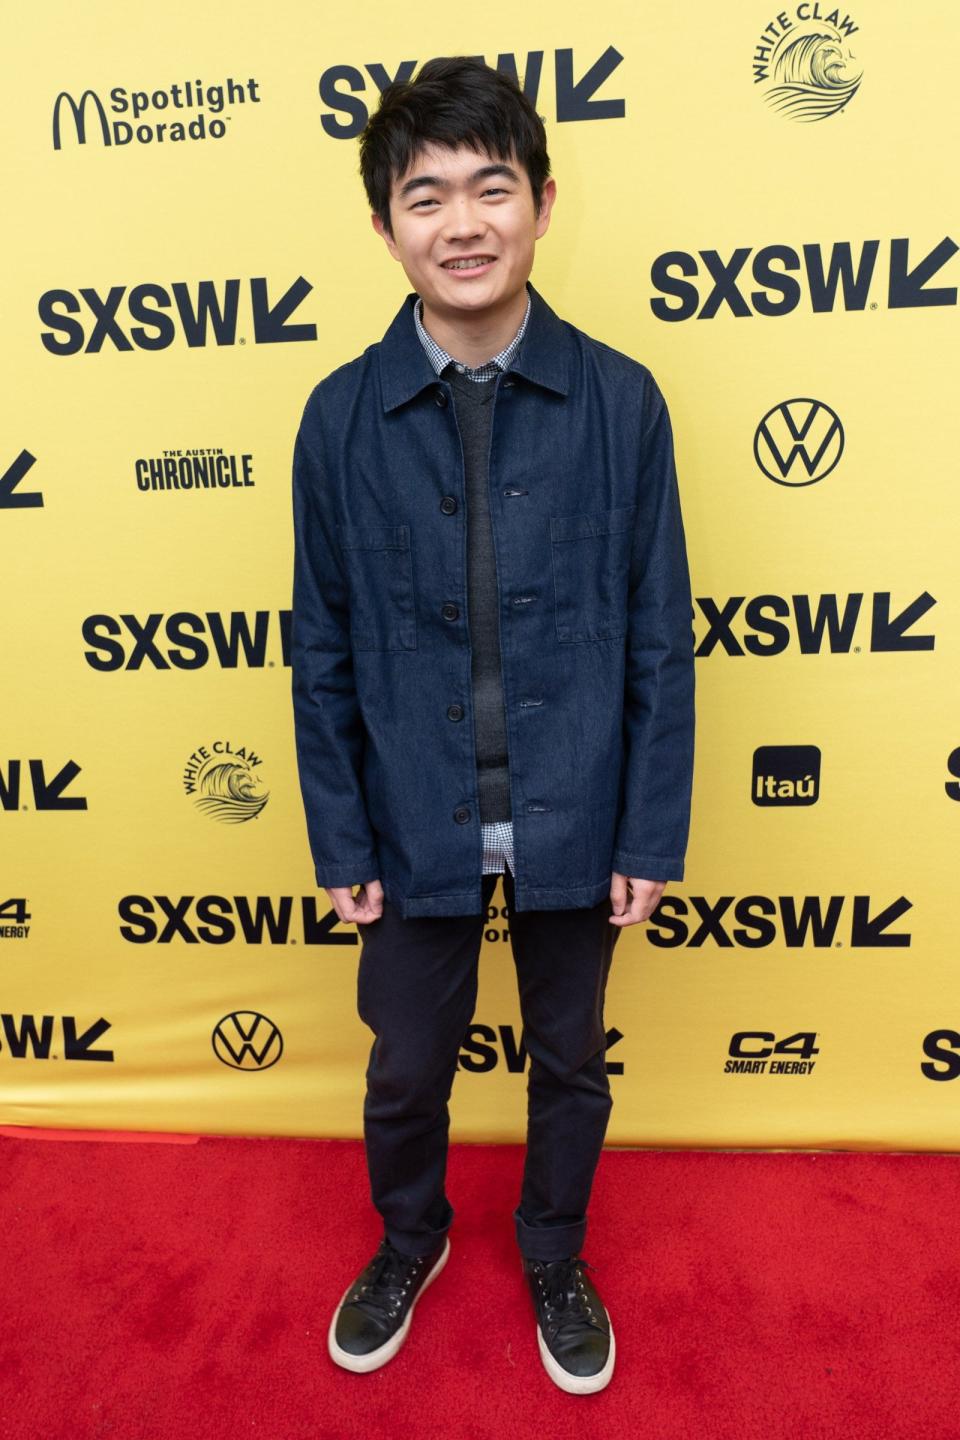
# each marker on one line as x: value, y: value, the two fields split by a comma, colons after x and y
x: 473, y: 401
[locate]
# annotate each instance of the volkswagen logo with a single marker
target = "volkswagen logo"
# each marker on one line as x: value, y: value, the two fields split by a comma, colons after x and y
x: 798, y: 442
x: 247, y: 1040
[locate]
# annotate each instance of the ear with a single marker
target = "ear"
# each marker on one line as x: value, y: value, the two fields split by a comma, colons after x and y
x: 547, y: 196
x: 385, y: 235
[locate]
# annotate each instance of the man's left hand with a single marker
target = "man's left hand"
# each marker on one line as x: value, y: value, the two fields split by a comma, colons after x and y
x: 633, y: 905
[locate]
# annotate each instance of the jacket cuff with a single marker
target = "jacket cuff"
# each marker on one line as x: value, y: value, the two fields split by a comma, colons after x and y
x: 358, y: 872
x: 648, y: 867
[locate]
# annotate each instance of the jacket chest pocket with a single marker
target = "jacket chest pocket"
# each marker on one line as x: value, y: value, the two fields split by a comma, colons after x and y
x: 379, y: 564
x: 591, y: 571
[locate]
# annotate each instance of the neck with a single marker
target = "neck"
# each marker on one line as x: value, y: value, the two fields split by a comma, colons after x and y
x: 475, y: 338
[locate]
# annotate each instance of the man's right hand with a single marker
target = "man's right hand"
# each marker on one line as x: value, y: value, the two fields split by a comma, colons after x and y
x: 367, y: 906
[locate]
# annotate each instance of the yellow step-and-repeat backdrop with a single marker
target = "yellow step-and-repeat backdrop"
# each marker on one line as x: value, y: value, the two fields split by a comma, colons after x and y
x: 754, y: 202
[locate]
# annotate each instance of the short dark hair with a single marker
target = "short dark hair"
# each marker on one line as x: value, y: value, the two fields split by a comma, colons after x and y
x: 451, y: 101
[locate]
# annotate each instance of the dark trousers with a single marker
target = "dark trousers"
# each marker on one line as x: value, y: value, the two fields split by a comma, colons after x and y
x: 417, y: 988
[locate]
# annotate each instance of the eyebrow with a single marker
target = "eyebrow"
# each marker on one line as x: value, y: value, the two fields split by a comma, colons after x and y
x: 421, y: 182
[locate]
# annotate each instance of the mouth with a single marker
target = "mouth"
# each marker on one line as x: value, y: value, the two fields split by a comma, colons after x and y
x: 468, y: 264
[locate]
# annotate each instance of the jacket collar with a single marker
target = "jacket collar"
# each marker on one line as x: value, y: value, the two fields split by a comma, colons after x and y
x: 545, y: 355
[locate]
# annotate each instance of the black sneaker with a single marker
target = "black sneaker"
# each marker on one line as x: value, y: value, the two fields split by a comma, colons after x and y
x: 573, y: 1328
x: 373, y: 1317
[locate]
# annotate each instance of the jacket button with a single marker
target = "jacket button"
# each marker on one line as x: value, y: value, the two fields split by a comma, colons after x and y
x: 448, y: 505
x: 454, y: 712
x: 461, y: 814
x: 450, y: 612
x: 440, y: 397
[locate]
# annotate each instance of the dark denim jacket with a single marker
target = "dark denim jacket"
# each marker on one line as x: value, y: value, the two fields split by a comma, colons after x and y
x: 596, y: 630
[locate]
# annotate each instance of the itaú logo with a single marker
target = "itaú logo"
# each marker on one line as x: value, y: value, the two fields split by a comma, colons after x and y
x: 247, y: 1040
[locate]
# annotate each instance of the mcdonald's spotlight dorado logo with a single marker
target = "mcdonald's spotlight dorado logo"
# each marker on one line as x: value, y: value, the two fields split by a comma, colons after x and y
x: 221, y: 778
x: 805, y: 63
x: 208, y: 102
x: 798, y: 442
x: 247, y: 1040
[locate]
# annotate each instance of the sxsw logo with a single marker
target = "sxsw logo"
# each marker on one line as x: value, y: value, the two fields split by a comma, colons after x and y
x: 942, y: 1048
x: 803, y: 430
x: 576, y: 99
x: 786, y: 775
x: 48, y: 794
x: 775, y: 623
x: 484, y: 1048
x: 184, y: 640
x: 204, y: 313
x: 219, y: 919
x: 30, y: 1037
x: 952, y: 787
x: 756, y: 921
x: 10, y: 497
x: 704, y: 284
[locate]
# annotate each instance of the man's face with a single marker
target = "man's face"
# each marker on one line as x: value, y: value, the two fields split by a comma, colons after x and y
x: 464, y: 228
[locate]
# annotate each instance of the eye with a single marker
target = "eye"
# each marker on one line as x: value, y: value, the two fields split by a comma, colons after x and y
x: 417, y: 203
x: 496, y: 190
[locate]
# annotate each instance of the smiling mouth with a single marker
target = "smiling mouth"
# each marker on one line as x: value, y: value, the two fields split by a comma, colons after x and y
x: 470, y: 262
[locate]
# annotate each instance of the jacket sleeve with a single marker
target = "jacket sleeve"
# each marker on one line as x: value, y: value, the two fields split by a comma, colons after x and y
x: 654, y: 822
x: 328, y: 723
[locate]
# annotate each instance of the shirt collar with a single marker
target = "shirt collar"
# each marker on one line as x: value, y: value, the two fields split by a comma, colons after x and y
x: 546, y: 358
x: 439, y: 358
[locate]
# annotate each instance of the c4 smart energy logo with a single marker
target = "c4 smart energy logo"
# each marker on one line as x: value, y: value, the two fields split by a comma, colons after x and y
x: 805, y: 63
x: 798, y: 442
x: 247, y: 1040
x: 222, y: 781
x: 759, y: 1052
x: 15, y: 918
x: 187, y: 110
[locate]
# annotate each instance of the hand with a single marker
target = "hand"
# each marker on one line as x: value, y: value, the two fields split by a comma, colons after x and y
x: 644, y: 898
x: 366, y: 907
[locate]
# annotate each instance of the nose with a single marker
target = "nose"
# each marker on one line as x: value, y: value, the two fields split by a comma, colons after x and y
x: 463, y: 221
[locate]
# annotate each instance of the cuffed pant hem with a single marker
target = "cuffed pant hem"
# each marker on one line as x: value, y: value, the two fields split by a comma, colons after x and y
x: 421, y: 1242
x: 549, y: 1242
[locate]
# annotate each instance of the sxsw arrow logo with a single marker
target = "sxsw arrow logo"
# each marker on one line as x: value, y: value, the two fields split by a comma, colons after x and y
x: 47, y: 794
x: 26, y: 1039
x: 204, y: 313
x: 342, y: 87
x: 819, y: 623
x: 774, y: 279
x: 10, y: 479
x: 756, y: 921
x: 908, y: 287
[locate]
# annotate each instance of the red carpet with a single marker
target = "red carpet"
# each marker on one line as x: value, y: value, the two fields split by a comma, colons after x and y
x: 183, y: 1291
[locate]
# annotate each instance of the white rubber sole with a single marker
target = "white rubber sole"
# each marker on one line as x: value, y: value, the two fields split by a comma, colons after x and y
x: 576, y: 1384
x: 362, y: 1364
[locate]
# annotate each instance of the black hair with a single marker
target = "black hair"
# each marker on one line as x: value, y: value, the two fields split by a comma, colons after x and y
x: 451, y: 101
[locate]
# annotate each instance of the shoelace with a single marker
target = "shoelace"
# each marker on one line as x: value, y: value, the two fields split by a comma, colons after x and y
x: 387, y: 1280
x: 564, y: 1298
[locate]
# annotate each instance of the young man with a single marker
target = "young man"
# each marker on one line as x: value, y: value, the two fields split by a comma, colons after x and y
x: 492, y: 673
